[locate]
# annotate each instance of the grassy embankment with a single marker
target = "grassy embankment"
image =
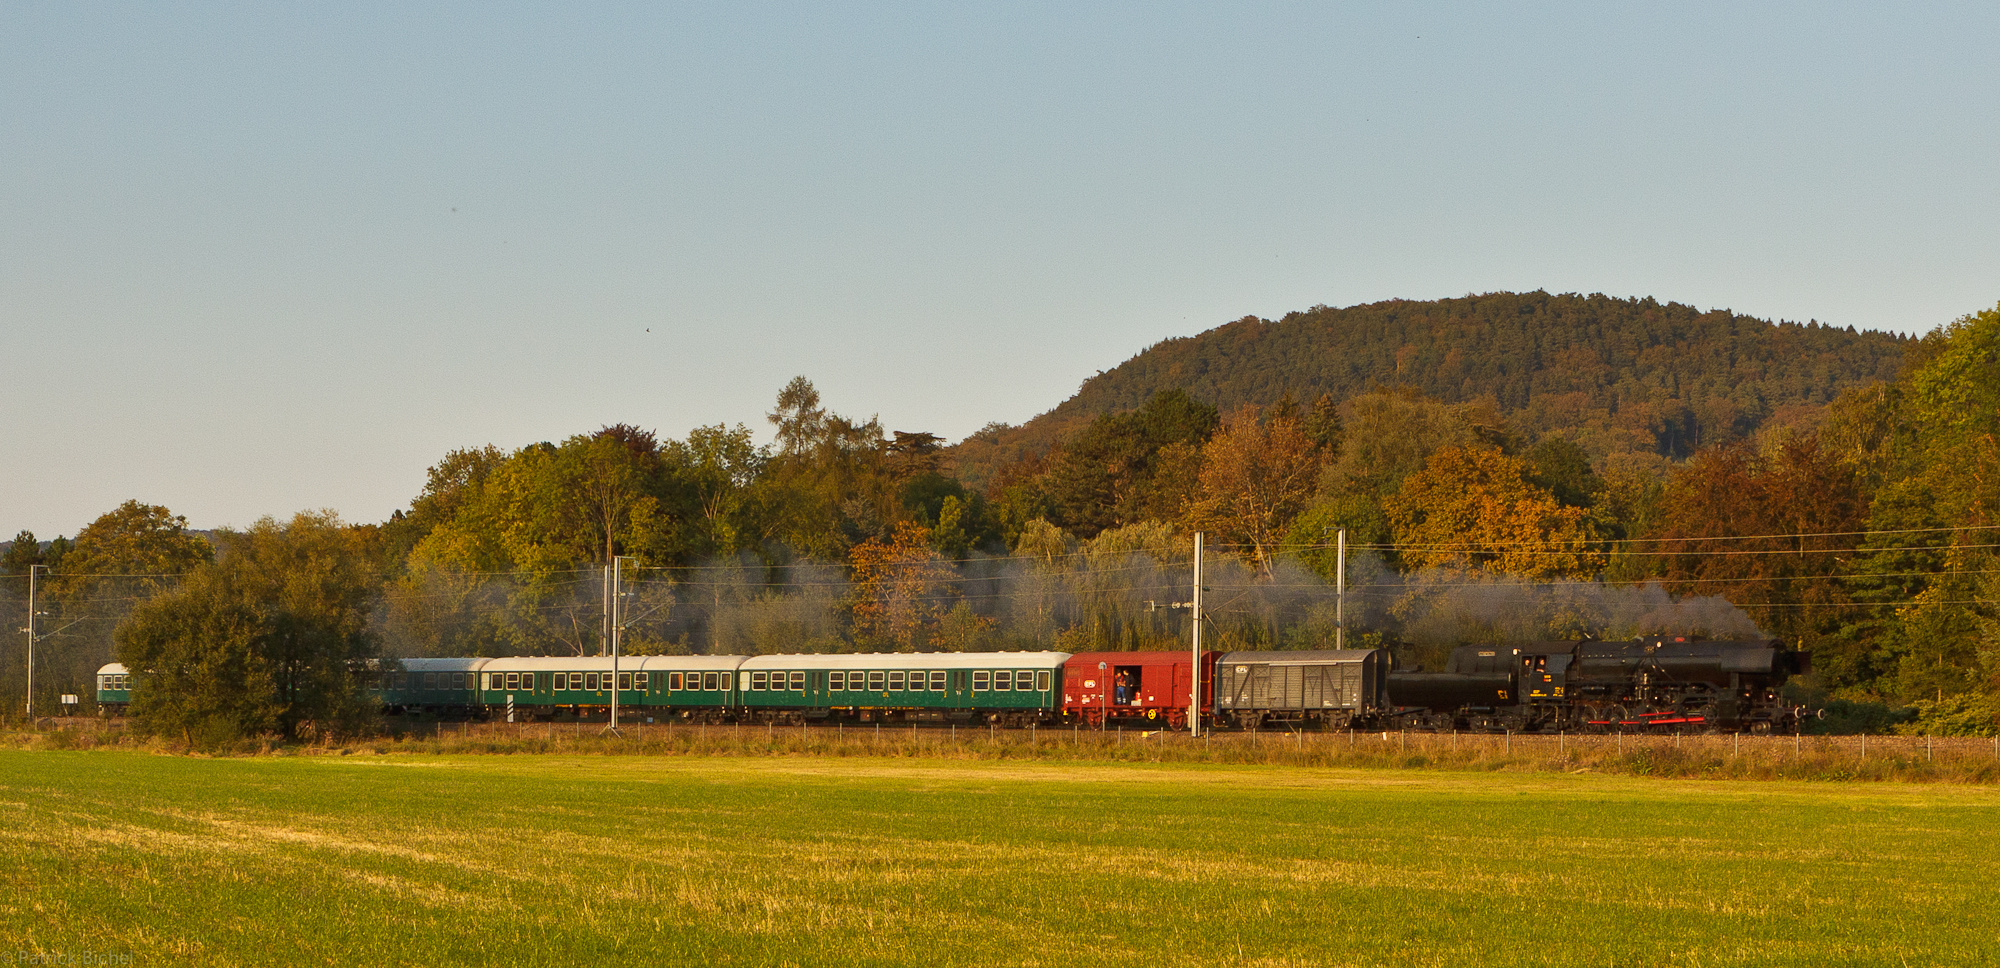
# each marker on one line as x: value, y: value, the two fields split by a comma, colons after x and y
x: 1833, y: 758
x: 564, y: 859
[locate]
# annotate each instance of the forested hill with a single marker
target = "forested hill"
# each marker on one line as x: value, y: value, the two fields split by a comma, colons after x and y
x: 1616, y: 375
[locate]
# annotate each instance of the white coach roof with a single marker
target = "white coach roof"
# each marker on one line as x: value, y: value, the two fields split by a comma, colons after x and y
x: 454, y: 664
x: 909, y: 660
x: 602, y: 663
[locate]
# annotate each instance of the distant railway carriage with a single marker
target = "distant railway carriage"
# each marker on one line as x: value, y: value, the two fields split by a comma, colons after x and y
x: 1144, y: 687
x: 1002, y: 687
x: 114, y: 689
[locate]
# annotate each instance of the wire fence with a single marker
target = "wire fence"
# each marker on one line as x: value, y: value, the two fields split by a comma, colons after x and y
x: 1722, y: 756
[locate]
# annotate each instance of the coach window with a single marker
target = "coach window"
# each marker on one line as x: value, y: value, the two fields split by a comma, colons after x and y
x: 625, y: 680
x: 1003, y: 681
x: 1024, y: 680
x: 917, y: 680
x: 711, y: 681
x: 1042, y: 681
x: 981, y: 680
x: 562, y: 682
x: 757, y: 681
x: 590, y: 681
x: 937, y: 681
x: 875, y: 682
x: 576, y: 681
x: 837, y: 682
x: 641, y: 680
x: 798, y: 682
x: 896, y: 681
x: 513, y: 681
x: 674, y: 682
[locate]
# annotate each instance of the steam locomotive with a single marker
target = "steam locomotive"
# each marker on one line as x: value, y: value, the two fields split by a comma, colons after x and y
x: 1650, y: 684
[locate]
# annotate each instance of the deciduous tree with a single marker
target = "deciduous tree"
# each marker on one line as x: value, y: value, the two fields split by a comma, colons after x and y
x: 901, y: 588
x: 1475, y: 507
x: 1256, y: 476
x: 272, y: 637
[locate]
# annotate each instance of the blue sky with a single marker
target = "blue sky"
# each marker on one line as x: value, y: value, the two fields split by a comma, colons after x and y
x: 260, y: 258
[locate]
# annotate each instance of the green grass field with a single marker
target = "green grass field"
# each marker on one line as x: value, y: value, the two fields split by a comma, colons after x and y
x: 568, y: 860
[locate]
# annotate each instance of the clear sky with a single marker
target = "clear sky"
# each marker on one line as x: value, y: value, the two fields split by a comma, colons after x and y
x: 256, y: 258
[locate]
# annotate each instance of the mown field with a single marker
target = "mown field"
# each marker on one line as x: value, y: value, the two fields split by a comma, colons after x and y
x: 695, y: 860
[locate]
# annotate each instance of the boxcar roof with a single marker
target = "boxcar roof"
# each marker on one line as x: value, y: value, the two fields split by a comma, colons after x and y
x: 1302, y: 657
x: 909, y: 660
x: 114, y: 669
x: 1091, y: 659
x: 602, y: 663
x: 455, y: 664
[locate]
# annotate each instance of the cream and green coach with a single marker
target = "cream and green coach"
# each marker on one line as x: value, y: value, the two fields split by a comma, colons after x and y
x: 688, y: 687
x: 1014, y: 688
x: 114, y: 689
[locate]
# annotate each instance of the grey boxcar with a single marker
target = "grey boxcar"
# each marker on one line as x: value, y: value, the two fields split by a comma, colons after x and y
x: 1333, y: 689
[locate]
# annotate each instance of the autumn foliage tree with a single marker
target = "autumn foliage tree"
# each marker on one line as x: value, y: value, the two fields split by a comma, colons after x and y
x: 1256, y: 476
x: 902, y: 588
x: 1477, y: 507
x: 1762, y: 529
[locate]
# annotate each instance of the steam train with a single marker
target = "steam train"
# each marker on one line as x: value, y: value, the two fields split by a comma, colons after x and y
x: 1658, y: 684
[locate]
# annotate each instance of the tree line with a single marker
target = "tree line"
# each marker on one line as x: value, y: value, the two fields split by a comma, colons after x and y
x: 1861, y: 530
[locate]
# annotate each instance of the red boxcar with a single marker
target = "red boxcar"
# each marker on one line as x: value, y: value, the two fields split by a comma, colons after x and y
x: 1148, y: 687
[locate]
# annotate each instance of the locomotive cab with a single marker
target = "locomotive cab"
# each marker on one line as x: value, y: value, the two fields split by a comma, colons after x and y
x: 1544, y: 676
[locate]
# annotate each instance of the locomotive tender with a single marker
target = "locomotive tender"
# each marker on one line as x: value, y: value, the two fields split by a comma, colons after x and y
x: 1659, y: 684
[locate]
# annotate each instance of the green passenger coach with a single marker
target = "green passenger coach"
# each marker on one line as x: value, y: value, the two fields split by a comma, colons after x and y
x: 435, y: 686
x: 1012, y: 688
x: 688, y: 687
